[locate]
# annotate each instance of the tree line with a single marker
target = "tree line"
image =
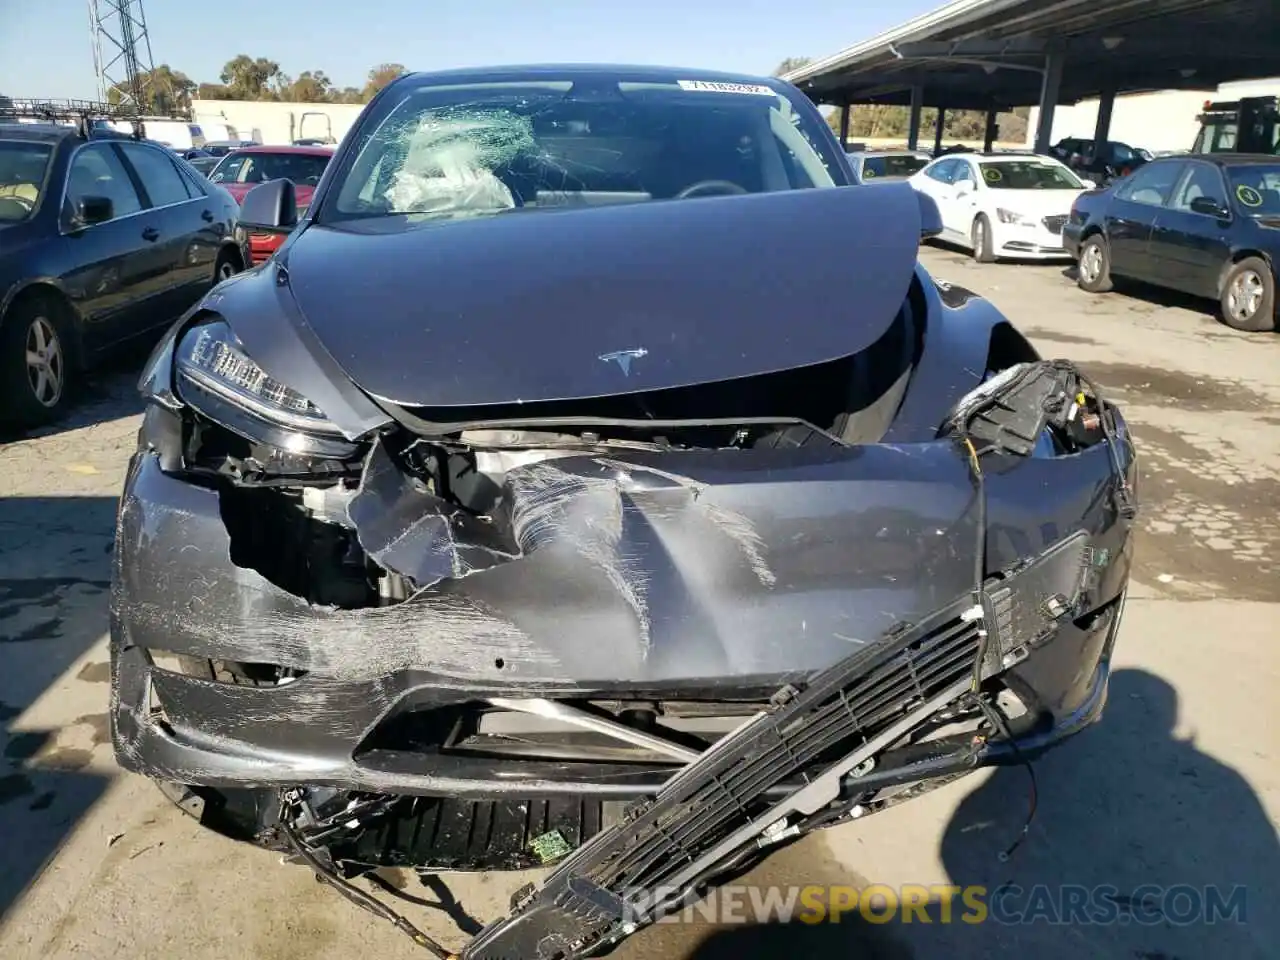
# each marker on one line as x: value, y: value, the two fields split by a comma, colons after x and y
x: 884, y: 121
x: 165, y: 90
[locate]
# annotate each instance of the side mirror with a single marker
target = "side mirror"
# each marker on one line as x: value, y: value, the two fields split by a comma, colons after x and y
x: 270, y: 207
x: 1088, y: 184
x: 1209, y: 206
x: 964, y: 188
x: 91, y: 210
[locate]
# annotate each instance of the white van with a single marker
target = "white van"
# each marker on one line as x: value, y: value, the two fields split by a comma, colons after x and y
x: 215, y: 131
x: 176, y: 133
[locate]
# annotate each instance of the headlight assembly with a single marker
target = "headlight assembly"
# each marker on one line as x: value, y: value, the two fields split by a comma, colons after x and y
x: 1010, y: 216
x: 213, y: 372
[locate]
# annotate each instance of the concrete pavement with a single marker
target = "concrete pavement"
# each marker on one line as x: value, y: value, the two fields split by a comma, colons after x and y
x: 1178, y: 786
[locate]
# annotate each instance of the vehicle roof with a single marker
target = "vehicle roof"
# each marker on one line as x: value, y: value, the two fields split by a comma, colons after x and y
x: 305, y: 151
x: 1011, y: 155
x: 1121, y: 143
x: 46, y: 132
x: 576, y: 71
x: 54, y: 132
x: 1223, y: 159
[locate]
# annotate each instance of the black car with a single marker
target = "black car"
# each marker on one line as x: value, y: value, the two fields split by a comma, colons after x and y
x: 102, y: 238
x: 536, y: 503
x: 1207, y: 224
x: 1113, y: 160
x: 191, y: 153
x: 220, y: 148
x: 204, y: 165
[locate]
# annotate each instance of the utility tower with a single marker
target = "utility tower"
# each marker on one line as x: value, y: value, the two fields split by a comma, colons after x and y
x: 121, y: 50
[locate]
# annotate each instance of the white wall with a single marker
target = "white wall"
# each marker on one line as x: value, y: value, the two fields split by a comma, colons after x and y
x: 1155, y: 121
x: 279, y: 123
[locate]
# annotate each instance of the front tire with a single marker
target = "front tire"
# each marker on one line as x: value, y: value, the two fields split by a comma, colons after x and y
x: 981, y: 238
x: 36, y: 368
x: 227, y: 266
x: 1248, y: 298
x: 1093, y: 271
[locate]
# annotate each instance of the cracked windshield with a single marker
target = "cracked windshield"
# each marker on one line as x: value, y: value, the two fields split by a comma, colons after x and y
x: 478, y: 149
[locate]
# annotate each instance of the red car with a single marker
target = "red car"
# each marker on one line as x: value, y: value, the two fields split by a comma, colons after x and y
x: 242, y: 170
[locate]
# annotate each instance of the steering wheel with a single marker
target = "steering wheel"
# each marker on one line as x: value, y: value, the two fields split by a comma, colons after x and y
x: 711, y: 188
x: 28, y: 204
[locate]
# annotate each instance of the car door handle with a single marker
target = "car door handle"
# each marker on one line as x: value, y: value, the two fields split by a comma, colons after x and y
x: 151, y: 234
x: 206, y: 216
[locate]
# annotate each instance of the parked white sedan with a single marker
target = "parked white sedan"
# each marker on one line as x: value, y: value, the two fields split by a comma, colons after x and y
x: 1002, y: 205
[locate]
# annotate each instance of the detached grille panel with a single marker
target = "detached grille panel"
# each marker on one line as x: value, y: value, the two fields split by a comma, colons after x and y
x: 908, y: 676
x: 866, y: 700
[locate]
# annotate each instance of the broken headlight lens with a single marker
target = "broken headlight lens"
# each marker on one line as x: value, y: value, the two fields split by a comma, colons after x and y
x: 210, y: 361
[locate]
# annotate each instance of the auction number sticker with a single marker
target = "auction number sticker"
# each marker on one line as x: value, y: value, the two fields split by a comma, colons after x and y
x: 1248, y: 196
x: 716, y: 86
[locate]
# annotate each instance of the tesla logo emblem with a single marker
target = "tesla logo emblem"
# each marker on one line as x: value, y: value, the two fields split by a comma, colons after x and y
x: 623, y: 358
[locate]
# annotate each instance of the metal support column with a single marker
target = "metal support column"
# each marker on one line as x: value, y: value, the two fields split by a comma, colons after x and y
x: 1102, y: 129
x: 1049, y: 90
x: 913, y: 125
x: 844, y: 127
x: 937, y: 130
x: 993, y: 129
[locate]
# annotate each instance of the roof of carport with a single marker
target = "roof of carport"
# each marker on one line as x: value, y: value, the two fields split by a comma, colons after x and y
x: 972, y: 54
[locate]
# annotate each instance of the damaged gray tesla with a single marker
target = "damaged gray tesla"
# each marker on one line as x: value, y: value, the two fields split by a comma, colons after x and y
x: 595, y: 480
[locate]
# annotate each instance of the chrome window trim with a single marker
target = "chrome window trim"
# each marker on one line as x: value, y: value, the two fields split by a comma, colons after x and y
x: 1186, y: 175
x: 66, y: 178
x: 172, y: 162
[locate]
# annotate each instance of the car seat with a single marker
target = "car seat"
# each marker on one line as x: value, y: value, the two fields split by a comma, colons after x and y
x: 20, y: 191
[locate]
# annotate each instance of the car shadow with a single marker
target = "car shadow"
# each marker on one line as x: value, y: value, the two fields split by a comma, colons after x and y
x: 1156, y: 296
x: 107, y: 392
x: 966, y: 254
x: 1143, y: 847
x: 55, y: 570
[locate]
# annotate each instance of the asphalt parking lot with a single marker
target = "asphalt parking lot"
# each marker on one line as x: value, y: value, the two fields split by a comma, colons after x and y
x: 1179, y: 786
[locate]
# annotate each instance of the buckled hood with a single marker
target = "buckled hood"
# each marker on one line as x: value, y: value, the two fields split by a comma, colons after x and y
x: 563, y: 305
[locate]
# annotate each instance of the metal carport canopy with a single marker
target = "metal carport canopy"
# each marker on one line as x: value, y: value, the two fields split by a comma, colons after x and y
x: 984, y: 54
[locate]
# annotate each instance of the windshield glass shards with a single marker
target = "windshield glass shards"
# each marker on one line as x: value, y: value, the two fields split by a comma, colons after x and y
x: 485, y: 148
x: 1029, y: 175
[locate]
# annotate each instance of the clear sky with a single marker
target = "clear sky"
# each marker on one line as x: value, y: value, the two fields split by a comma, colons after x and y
x: 46, y: 47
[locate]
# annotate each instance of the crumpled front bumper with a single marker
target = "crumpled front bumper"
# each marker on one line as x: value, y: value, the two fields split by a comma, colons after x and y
x: 727, y: 579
